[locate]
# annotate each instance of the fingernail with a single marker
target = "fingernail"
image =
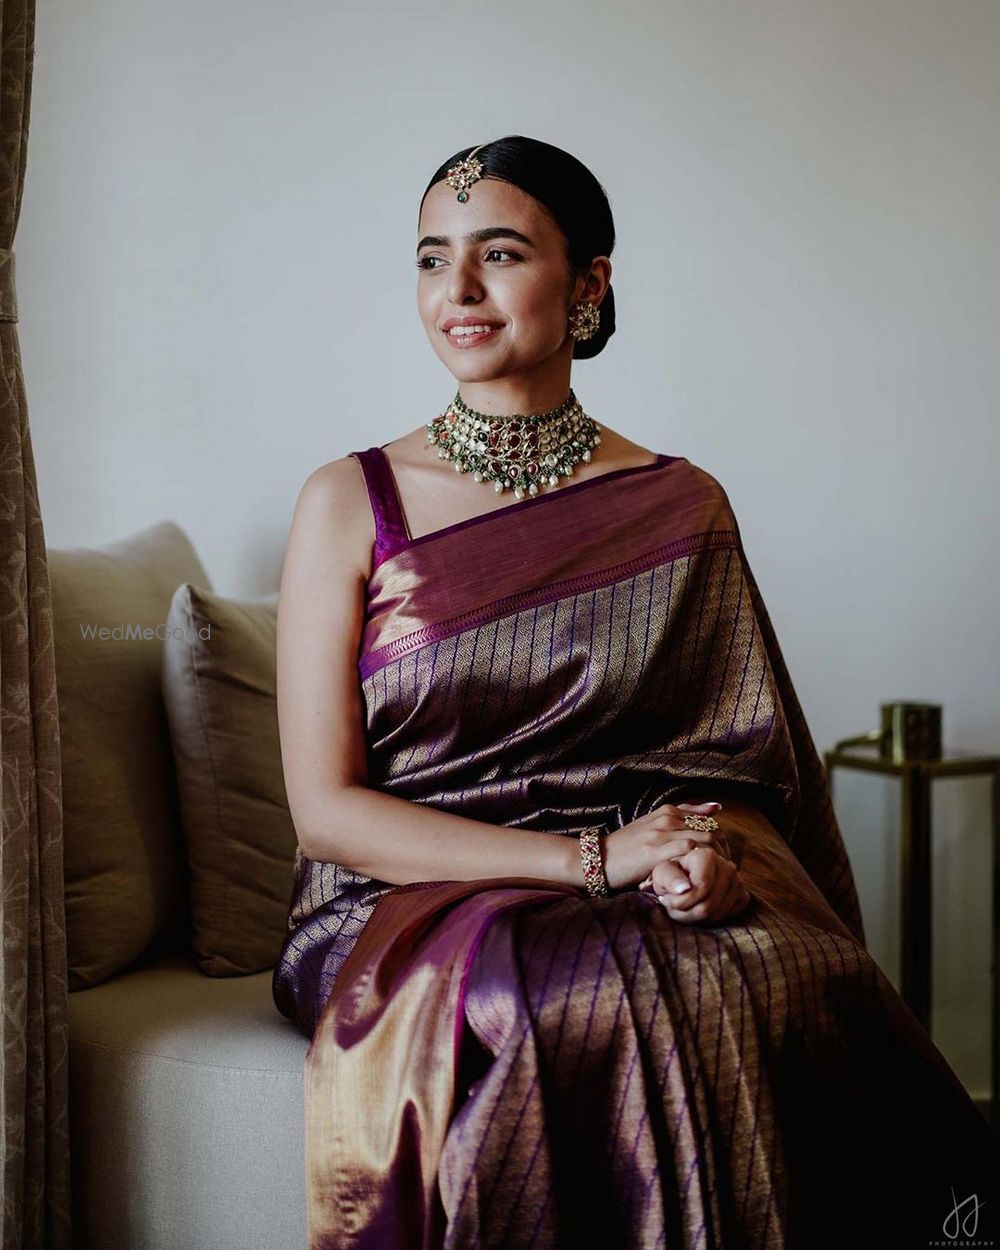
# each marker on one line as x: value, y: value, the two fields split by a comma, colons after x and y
x: 681, y: 887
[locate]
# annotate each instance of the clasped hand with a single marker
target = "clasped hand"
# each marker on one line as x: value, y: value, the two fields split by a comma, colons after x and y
x: 697, y: 880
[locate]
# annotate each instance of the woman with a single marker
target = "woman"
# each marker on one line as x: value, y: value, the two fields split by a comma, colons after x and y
x: 573, y: 930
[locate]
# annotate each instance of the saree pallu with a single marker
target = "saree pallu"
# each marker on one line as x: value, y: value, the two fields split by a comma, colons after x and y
x: 512, y: 1063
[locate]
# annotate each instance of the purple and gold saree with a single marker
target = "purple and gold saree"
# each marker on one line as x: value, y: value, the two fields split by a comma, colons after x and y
x: 512, y: 1063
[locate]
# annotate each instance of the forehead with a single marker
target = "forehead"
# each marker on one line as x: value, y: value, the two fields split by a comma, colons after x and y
x: 491, y: 202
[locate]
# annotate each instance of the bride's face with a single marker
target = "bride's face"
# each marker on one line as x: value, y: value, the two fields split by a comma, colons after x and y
x: 500, y: 260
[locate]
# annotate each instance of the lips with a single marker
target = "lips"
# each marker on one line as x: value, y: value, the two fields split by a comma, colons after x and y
x: 474, y: 339
x: 470, y: 321
x: 471, y: 338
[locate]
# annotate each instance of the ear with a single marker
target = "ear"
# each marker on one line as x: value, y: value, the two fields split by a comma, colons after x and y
x: 593, y: 285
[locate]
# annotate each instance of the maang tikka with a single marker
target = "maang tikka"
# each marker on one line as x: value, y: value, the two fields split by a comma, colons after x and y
x: 461, y: 176
x: 584, y: 318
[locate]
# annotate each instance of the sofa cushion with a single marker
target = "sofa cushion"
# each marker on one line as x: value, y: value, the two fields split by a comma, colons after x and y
x: 219, y: 690
x: 187, y: 1113
x: 124, y: 866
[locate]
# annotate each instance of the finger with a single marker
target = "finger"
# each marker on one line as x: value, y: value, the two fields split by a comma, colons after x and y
x: 715, y: 908
x: 701, y: 865
x: 675, y: 846
x: 670, y: 877
x: 682, y: 915
x: 713, y: 904
x: 679, y: 809
x: 716, y: 837
x: 717, y: 841
x: 734, y: 903
x: 675, y: 914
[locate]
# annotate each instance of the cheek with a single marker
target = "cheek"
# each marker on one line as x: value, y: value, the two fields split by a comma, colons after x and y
x: 424, y: 306
x: 538, y: 310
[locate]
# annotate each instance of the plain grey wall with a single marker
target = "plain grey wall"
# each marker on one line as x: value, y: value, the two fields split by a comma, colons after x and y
x: 216, y: 287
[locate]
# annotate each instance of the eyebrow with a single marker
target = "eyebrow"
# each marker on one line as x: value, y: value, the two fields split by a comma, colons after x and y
x: 476, y: 236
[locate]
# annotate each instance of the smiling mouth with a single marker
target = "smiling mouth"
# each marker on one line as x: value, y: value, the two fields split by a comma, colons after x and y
x: 471, y: 336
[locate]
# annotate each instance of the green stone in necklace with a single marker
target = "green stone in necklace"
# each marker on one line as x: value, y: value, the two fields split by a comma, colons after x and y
x: 519, y: 451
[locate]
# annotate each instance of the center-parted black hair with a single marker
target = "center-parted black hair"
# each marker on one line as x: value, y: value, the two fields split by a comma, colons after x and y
x: 573, y: 197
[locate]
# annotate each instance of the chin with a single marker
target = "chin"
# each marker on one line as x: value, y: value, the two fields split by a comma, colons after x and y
x: 477, y: 371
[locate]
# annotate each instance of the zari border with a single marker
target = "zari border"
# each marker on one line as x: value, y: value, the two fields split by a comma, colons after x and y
x: 379, y: 657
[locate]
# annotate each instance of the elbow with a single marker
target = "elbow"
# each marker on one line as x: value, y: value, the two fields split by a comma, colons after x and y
x: 306, y: 846
x: 320, y: 849
x: 302, y: 836
x: 320, y: 827
x: 317, y: 844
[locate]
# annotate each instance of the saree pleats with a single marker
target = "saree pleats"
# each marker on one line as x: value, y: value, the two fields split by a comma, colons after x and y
x: 583, y: 1071
x: 512, y: 1063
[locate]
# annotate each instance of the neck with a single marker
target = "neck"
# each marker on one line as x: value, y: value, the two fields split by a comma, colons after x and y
x: 526, y: 394
x: 499, y: 421
x: 492, y: 403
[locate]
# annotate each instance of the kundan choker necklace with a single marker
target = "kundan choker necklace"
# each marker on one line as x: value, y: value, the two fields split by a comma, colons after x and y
x: 521, y: 451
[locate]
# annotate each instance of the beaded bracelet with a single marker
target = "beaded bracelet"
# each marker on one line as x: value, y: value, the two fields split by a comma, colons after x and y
x: 594, y: 875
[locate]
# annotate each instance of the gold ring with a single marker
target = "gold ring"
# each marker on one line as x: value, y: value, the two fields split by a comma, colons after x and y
x: 704, y: 824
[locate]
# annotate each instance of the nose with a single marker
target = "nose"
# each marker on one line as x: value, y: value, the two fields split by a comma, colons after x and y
x: 464, y: 285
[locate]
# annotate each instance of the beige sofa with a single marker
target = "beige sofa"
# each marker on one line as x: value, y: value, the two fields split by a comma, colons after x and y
x: 186, y: 1088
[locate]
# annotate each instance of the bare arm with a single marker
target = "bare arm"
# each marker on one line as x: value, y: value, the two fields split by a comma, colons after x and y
x: 417, y: 843
x: 337, y: 816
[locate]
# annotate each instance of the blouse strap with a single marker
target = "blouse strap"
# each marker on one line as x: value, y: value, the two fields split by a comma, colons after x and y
x: 391, y: 533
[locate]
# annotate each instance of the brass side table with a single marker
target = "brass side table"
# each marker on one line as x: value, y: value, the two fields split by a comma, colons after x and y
x: 915, y: 879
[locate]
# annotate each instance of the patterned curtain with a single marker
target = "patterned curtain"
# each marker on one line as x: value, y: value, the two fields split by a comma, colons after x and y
x: 33, y: 988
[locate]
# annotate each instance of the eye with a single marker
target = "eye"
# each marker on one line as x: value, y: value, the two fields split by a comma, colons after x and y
x: 423, y: 262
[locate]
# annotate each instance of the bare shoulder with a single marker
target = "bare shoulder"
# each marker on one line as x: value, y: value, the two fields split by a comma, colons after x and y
x: 618, y: 452
x: 617, y: 449
x: 333, y: 511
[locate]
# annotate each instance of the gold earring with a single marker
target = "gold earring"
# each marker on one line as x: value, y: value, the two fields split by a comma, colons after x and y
x: 584, y: 320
